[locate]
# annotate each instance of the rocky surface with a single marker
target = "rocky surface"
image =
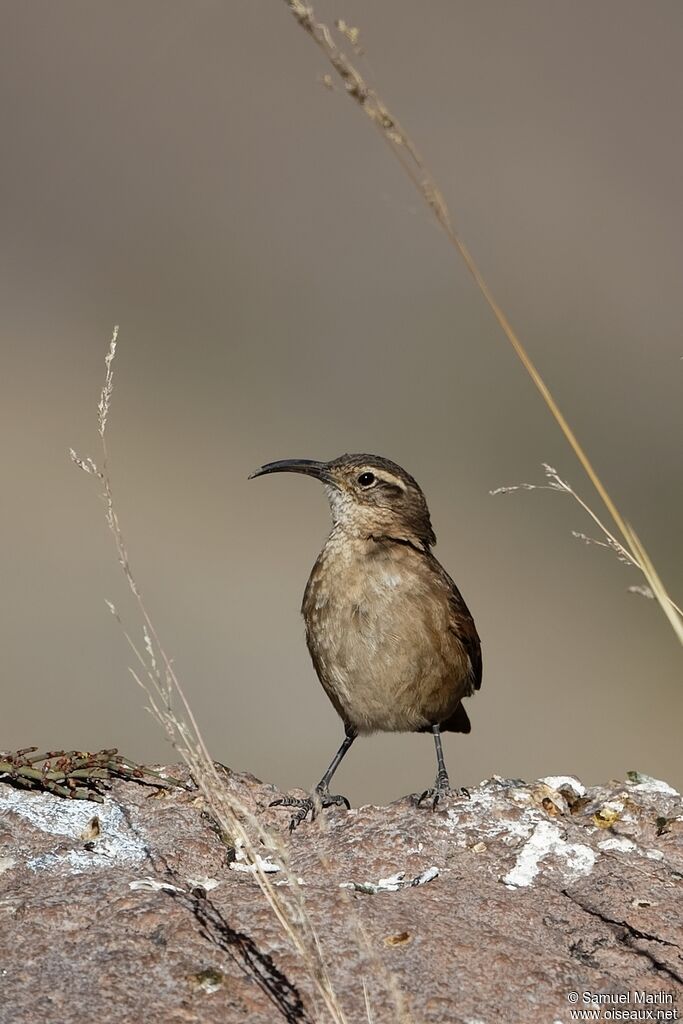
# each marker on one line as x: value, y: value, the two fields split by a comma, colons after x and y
x: 492, y: 909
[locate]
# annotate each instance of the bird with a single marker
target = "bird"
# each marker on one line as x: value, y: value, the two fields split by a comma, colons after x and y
x: 391, y: 639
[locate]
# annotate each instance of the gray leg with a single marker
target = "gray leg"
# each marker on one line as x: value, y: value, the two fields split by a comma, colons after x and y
x: 442, y: 785
x: 324, y: 784
x: 442, y: 780
x: 321, y: 795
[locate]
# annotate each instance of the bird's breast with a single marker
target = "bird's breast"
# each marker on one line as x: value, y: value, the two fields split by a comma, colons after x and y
x: 378, y: 631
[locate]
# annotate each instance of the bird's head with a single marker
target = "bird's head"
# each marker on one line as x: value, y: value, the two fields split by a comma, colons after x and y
x: 369, y: 496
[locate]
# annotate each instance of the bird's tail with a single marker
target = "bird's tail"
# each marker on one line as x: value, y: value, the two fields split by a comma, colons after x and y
x: 458, y: 722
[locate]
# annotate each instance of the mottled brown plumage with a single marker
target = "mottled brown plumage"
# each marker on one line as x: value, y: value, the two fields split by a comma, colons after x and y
x: 391, y: 639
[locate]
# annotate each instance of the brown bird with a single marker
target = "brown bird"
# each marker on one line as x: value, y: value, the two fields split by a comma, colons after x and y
x: 392, y: 641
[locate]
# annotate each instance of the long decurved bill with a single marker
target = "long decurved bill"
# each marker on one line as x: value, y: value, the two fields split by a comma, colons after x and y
x: 308, y: 466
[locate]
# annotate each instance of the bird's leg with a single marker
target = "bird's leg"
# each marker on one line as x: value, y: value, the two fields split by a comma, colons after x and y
x: 321, y: 796
x: 323, y: 787
x: 442, y: 785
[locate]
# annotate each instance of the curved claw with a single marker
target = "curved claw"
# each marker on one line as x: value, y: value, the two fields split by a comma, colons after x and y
x: 289, y: 801
x: 434, y: 795
x: 437, y: 793
x: 320, y: 800
x: 328, y: 800
x: 301, y: 814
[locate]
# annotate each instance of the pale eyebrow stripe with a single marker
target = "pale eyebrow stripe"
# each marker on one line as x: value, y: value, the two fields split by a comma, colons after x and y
x: 388, y: 478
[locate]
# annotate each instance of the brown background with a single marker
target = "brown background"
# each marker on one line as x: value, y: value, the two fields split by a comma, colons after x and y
x: 180, y: 169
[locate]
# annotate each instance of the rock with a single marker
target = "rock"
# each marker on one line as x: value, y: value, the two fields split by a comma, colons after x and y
x: 487, y: 910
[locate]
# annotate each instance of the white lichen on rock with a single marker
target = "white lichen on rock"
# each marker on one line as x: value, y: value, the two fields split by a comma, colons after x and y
x: 264, y: 864
x: 619, y: 844
x: 546, y: 840
x: 153, y: 885
x: 565, y: 781
x: 117, y: 843
x: 393, y: 883
x: 647, y: 784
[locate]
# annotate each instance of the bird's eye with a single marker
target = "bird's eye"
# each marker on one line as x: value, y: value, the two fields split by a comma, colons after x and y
x: 366, y: 479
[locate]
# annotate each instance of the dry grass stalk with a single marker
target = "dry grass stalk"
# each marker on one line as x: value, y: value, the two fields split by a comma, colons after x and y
x: 157, y: 677
x: 633, y: 555
x: 404, y: 149
x: 642, y: 560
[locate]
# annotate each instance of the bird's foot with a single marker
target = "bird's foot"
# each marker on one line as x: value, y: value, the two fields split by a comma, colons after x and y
x: 319, y: 799
x: 441, y: 790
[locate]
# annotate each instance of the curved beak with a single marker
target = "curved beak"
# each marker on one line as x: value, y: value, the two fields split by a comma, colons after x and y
x: 307, y: 466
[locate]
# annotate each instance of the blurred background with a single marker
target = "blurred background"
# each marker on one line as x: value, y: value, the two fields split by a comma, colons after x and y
x: 181, y: 169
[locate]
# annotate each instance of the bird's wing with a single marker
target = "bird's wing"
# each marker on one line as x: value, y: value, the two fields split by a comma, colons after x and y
x: 467, y: 633
x: 462, y: 624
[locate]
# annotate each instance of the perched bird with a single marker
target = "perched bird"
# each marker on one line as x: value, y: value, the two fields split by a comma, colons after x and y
x: 392, y: 641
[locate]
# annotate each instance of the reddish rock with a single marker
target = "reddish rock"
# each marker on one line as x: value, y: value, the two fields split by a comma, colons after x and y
x: 488, y: 910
